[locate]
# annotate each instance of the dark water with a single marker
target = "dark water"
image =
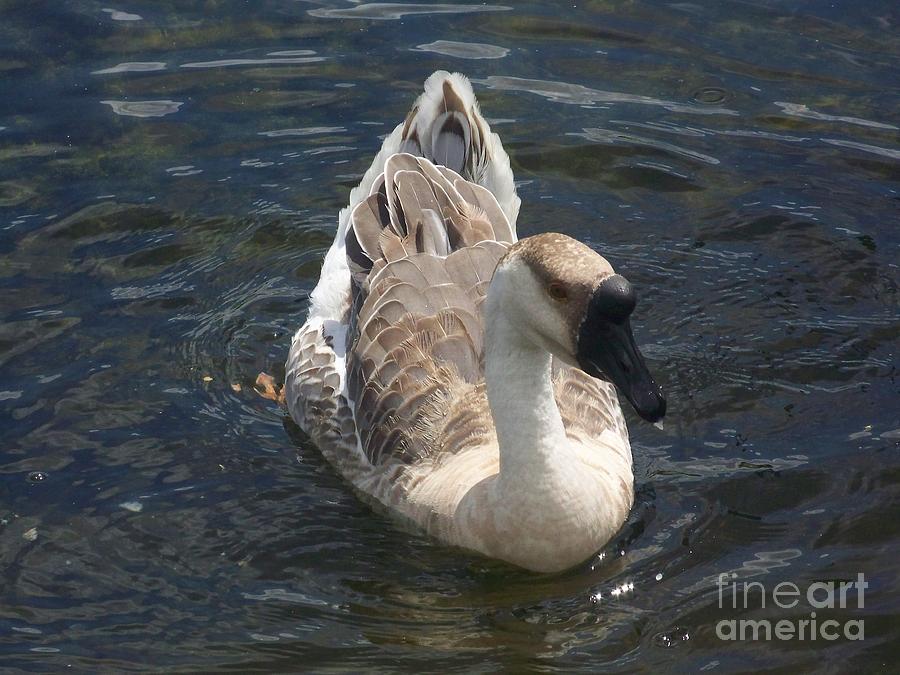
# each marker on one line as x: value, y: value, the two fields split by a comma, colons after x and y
x: 170, y: 174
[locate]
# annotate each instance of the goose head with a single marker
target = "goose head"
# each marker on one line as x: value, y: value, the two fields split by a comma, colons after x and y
x: 563, y: 296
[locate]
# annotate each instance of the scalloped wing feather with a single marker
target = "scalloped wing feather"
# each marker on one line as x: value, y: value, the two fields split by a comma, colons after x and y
x: 417, y: 247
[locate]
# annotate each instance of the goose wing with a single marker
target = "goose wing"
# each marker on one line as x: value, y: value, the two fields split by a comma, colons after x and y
x: 589, y: 407
x: 422, y: 250
x: 453, y: 208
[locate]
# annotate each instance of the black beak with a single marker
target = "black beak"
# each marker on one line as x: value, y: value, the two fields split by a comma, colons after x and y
x: 606, y: 348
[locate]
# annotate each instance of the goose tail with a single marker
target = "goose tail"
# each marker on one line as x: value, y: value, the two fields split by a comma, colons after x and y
x: 446, y: 127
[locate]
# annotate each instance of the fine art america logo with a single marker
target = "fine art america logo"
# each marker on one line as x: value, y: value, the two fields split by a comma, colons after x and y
x: 819, y: 595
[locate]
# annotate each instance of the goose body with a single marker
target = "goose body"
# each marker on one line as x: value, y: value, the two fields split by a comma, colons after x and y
x: 461, y: 377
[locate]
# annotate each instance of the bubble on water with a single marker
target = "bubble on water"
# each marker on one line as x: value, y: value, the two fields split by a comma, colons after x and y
x: 710, y: 95
x: 671, y: 638
x: 37, y: 477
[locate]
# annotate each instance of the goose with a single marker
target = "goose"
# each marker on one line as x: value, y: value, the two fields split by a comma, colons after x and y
x: 463, y: 378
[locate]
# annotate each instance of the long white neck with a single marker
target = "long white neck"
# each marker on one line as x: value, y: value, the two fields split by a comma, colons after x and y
x: 547, y: 508
x: 519, y: 383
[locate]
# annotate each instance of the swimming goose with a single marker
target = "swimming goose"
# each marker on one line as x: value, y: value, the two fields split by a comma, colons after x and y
x: 461, y: 377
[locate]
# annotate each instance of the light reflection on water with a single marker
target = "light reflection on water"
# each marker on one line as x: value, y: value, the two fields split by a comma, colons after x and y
x: 169, y: 182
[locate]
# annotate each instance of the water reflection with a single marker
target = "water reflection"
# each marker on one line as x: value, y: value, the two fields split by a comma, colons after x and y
x: 609, y: 137
x: 226, y: 63
x: 390, y: 10
x: 890, y: 153
x: 118, y: 15
x: 464, y: 50
x: 144, y: 108
x: 132, y: 67
x: 305, y: 131
x: 577, y: 94
x: 800, y: 110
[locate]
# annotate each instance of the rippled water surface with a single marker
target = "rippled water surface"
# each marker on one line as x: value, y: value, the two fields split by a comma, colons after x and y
x: 170, y: 173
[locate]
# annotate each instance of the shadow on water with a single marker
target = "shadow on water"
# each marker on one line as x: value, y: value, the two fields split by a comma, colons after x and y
x: 170, y: 175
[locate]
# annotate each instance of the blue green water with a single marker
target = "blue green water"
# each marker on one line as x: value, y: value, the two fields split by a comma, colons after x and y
x: 170, y: 175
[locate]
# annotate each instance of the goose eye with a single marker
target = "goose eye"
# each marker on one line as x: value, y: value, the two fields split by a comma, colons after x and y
x: 557, y: 291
